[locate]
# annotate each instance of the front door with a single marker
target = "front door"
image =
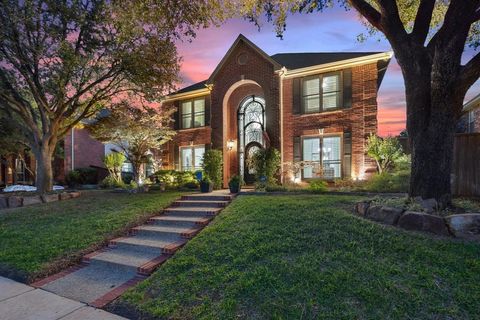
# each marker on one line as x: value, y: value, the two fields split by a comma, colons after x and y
x: 251, y: 126
x: 249, y: 173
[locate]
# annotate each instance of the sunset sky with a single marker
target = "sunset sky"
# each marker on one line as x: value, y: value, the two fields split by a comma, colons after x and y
x: 335, y: 30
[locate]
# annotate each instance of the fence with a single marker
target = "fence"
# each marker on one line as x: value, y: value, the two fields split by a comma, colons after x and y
x: 466, y: 165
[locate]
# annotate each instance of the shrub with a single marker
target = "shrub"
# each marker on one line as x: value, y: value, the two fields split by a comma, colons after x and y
x: 191, y: 185
x: 389, y: 182
x: 213, y: 167
x: 276, y: 188
x: 317, y: 185
x: 113, y: 162
x: 87, y: 175
x: 111, y: 182
x: 175, y: 179
x: 385, y: 151
x: 73, y: 178
x: 266, y: 163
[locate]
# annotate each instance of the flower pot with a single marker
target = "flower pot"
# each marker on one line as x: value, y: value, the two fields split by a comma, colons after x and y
x: 206, y: 187
x: 234, y: 188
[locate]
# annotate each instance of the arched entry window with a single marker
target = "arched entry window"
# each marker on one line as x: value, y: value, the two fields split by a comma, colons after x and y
x: 251, y: 125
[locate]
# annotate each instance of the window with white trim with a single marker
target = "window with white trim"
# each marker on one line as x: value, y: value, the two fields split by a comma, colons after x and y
x: 193, y: 113
x: 191, y: 158
x: 322, y: 93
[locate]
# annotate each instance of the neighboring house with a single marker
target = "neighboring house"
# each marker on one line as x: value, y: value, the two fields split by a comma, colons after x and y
x: 470, y: 120
x: 78, y: 150
x: 315, y: 107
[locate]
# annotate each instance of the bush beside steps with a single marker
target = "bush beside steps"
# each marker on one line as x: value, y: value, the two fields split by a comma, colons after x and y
x: 465, y: 225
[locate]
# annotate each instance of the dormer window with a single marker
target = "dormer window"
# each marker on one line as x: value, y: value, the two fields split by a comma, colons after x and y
x: 193, y: 113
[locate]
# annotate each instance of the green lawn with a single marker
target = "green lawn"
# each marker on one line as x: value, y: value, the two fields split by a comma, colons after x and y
x: 39, y: 240
x: 304, y: 257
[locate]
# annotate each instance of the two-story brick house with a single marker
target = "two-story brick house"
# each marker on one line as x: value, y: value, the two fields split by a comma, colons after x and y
x: 313, y: 107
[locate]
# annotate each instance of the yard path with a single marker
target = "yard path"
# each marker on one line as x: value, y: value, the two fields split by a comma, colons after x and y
x: 106, y: 274
x: 19, y: 301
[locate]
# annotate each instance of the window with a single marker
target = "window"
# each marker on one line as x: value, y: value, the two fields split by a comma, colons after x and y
x: 191, y: 158
x: 19, y: 170
x: 471, y: 121
x: 322, y: 93
x: 193, y: 113
x: 322, y: 153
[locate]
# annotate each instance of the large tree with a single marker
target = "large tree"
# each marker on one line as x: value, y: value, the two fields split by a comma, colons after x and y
x: 60, y: 60
x: 136, y: 131
x: 428, y: 38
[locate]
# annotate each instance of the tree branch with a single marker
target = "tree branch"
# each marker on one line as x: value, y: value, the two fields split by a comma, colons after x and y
x: 470, y: 72
x: 369, y: 12
x: 423, y: 20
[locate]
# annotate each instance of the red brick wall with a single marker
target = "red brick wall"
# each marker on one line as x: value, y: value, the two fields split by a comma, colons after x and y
x: 87, y: 151
x: 257, y: 69
x: 360, y: 120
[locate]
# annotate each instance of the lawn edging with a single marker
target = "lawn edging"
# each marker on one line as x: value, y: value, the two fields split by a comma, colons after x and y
x: 464, y: 226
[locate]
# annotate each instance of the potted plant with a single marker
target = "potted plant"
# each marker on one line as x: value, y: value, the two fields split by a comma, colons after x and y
x: 235, y: 184
x: 206, y: 185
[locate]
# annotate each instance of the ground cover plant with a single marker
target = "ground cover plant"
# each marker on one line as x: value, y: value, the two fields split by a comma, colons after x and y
x: 43, y: 239
x: 308, y: 257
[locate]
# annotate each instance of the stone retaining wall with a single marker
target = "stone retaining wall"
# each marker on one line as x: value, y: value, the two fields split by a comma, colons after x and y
x: 23, y: 201
x: 466, y: 226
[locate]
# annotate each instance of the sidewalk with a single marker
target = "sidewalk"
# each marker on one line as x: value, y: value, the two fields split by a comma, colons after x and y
x: 19, y: 301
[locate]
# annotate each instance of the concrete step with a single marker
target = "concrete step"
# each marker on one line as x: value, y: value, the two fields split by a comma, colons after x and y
x: 166, y: 232
x: 140, y: 243
x: 192, y: 212
x: 91, y: 282
x: 179, y: 221
x: 200, y: 203
x: 207, y: 197
x: 123, y: 258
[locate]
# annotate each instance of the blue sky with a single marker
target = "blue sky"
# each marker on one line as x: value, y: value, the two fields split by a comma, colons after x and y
x: 335, y: 30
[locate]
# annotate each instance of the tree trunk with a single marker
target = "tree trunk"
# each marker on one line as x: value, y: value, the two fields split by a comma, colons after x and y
x: 431, y: 123
x: 44, y: 178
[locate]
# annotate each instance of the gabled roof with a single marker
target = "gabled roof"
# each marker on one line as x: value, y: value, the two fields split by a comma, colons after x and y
x: 242, y: 38
x: 195, y: 86
x: 297, y: 62
x: 308, y: 59
x: 472, y: 104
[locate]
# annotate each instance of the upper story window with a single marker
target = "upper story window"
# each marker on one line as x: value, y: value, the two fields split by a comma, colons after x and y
x: 193, y: 113
x: 322, y: 93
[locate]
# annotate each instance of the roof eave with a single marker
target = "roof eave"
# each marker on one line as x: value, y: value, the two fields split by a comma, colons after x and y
x: 472, y: 104
x: 188, y: 94
x: 291, y: 73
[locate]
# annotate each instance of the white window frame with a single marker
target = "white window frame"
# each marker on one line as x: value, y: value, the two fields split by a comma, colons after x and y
x: 195, y: 166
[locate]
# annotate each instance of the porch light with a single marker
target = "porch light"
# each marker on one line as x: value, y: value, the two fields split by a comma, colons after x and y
x: 230, y: 144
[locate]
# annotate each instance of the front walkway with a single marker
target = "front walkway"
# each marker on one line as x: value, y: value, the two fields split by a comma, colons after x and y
x: 105, y: 274
x: 19, y: 301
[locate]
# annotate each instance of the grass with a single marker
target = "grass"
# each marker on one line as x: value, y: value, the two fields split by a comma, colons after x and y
x: 304, y: 257
x: 40, y: 240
